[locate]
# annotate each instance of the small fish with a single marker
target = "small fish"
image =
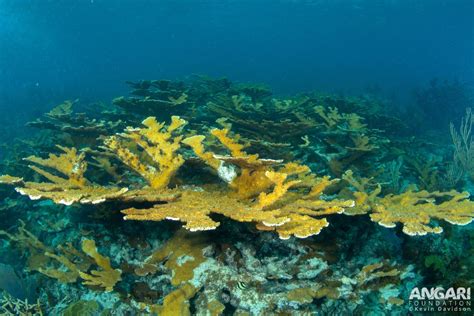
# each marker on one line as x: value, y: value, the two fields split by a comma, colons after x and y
x: 242, y: 285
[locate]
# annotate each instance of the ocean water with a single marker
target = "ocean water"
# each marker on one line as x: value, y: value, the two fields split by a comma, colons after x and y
x: 292, y: 157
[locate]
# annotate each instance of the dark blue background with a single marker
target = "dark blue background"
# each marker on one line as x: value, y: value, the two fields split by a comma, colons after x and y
x: 55, y: 50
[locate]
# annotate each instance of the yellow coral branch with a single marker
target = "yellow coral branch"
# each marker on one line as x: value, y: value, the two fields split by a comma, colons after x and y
x: 158, y: 143
x: 107, y: 277
x: 415, y: 210
x: 265, y: 200
x: 195, y: 142
x: 70, y: 164
x: 235, y: 148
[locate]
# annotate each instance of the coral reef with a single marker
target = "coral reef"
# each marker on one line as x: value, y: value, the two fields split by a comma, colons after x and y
x: 151, y: 96
x: 236, y: 202
x: 79, y: 128
x: 416, y: 210
x: 289, y: 216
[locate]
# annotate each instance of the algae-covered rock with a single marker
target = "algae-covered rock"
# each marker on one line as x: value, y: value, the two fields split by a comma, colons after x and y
x: 83, y: 308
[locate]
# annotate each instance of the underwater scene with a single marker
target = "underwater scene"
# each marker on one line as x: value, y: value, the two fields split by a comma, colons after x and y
x: 234, y: 157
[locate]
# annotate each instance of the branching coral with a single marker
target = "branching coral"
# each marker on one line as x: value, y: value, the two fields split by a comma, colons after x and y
x: 26, y: 240
x: 271, y: 119
x: 332, y: 120
x: 156, y: 97
x: 304, y: 211
x: 73, y: 263
x: 257, y: 176
x: 68, y: 184
x: 288, y: 197
x: 427, y: 170
x: 160, y: 146
x: 194, y: 209
x: 374, y: 271
x: 362, y: 143
x: 78, y: 126
x: 195, y: 142
x: 175, y: 303
x: 345, y: 140
x: 382, y: 277
x: 7, y: 179
x: 107, y: 277
x: 252, y: 179
x: 265, y: 200
x: 70, y: 165
x: 40, y: 256
x: 416, y: 210
x: 68, y: 271
x: 364, y: 197
x: 181, y: 255
x: 287, y: 214
x: 14, y: 306
x: 236, y: 149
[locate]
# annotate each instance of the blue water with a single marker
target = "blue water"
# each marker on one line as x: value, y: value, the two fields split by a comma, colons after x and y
x: 320, y: 159
x: 54, y: 50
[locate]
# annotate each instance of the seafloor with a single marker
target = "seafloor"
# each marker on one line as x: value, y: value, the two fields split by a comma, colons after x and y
x: 207, y: 197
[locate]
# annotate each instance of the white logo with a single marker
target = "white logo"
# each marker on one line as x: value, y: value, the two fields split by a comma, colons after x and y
x: 439, y: 299
x: 439, y: 293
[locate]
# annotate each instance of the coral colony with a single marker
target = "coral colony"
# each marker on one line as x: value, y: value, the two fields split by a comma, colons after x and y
x: 272, y: 201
